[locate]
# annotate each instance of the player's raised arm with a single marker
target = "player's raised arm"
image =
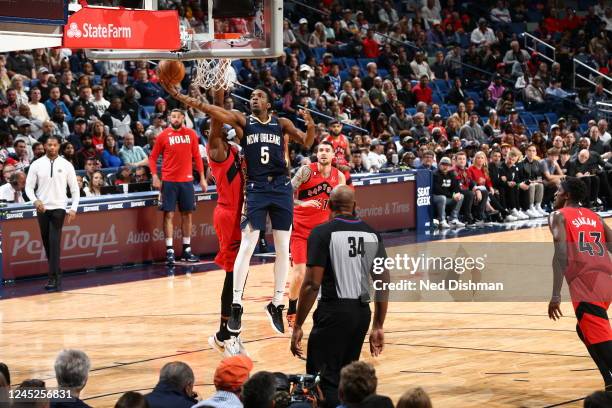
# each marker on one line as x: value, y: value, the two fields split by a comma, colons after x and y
x: 217, y: 145
x: 559, y: 263
x: 234, y: 119
x: 296, y: 134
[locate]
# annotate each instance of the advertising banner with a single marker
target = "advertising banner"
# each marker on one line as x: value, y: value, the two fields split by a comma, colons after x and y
x: 131, y: 231
x: 122, y: 29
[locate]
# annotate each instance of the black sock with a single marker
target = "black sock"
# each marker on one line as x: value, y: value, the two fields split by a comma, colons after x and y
x: 292, y: 306
x: 169, y: 248
x: 186, y: 247
x: 223, y: 333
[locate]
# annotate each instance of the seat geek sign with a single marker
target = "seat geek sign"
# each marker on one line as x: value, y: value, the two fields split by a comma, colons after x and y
x: 105, y: 28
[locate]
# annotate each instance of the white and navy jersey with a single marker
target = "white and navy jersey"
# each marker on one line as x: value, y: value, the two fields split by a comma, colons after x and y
x: 346, y: 247
x: 263, y: 147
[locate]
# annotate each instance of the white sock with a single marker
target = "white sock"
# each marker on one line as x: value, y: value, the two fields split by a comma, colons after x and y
x: 243, y: 259
x: 169, y: 242
x: 186, y: 240
x: 281, y: 264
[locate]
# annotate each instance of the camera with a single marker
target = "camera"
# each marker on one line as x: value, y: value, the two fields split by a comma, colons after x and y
x: 296, y: 390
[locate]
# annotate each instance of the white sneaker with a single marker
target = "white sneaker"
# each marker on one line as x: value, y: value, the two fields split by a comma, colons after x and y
x: 542, y: 211
x: 532, y: 213
x: 522, y: 215
x: 216, y: 344
x: 456, y: 223
x: 510, y: 218
x: 444, y: 225
x: 241, y: 349
x: 234, y: 347
x: 435, y: 222
x: 515, y: 213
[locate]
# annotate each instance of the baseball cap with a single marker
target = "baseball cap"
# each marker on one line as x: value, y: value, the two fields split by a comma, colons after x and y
x: 43, y: 70
x: 513, y: 111
x: 555, y: 126
x: 303, y: 21
x: 79, y: 121
x: 437, y: 116
x: 24, y: 122
x: 160, y: 100
x: 375, y: 142
x: 333, y: 122
x: 232, y: 372
x: 445, y: 160
x: 561, y: 119
x: 305, y: 67
x: 482, y: 20
x: 506, y: 145
x: 408, y: 139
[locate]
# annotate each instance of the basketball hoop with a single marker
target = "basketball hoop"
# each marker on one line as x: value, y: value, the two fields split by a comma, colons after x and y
x: 214, y: 73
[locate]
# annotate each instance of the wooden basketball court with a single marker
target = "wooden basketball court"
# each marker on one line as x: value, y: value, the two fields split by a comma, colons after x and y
x: 463, y: 354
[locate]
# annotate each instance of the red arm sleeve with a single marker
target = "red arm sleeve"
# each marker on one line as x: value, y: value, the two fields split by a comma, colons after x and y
x: 195, y: 152
x: 157, y: 149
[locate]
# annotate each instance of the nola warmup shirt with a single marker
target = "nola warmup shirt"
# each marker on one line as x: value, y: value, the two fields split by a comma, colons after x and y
x: 179, y: 149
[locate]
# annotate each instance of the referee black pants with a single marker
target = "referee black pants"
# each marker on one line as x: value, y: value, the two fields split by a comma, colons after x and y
x: 51, y: 223
x: 336, y: 340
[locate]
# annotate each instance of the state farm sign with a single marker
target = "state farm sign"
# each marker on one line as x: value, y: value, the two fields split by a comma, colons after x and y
x: 103, y: 28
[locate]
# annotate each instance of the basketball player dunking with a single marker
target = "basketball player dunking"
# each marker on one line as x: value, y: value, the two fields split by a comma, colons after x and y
x: 226, y: 168
x: 313, y: 184
x: 268, y: 190
x: 582, y: 246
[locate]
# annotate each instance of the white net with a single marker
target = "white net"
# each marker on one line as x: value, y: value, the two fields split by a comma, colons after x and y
x: 214, y: 73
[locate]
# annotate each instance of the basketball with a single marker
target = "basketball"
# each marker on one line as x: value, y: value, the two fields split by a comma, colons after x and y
x: 171, y: 72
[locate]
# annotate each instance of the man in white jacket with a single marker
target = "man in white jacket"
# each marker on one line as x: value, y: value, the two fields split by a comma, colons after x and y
x: 46, y: 185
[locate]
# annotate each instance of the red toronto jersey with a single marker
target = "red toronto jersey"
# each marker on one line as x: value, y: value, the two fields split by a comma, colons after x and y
x: 317, y: 188
x: 588, y: 257
x: 229, y: 179
x: 340, y: 145
x: 179, y: 150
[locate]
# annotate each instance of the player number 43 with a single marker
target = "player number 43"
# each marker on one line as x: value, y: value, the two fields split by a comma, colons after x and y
x: 594, y: 248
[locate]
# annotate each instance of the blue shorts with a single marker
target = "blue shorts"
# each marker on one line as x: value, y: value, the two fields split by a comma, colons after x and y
x: 269, y: 197
x: 174, y: 192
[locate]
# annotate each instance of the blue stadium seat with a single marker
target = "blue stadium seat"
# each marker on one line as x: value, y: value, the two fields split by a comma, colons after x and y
x: 339, y: 61
x: 474, y: 95
x: 411, y: 111
x: 442, y: 85
x: 539, y: 117
x: 143, y: 115
x: 551, y: 117
x: 436, y: 98
x: 363, y: 62
x: 583, y: 127
x: 344, y: 75
x: 518, y: 28
x: 97, y: 80
x: 350, y: 62
x: 383, y: 73
x: 528, y: 119
x: 518, y: 105
x: 451, y: 108
x: 444, y: 111
x: 237, y: 64
x: 318, y: 52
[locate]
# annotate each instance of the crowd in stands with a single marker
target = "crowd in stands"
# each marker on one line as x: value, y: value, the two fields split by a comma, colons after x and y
x: 413, y: 83
x: 235, y: 387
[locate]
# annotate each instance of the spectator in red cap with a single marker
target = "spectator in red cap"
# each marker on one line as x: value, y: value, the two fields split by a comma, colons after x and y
x: 230, y: 374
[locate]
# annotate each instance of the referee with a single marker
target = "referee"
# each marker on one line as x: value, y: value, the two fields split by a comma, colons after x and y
x: 341, y: 253
x: 46, y: 185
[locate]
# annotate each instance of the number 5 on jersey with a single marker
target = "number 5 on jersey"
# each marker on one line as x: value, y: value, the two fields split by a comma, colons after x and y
x: 265, y: 155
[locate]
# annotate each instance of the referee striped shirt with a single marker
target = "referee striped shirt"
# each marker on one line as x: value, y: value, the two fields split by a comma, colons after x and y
x: 345, y: 247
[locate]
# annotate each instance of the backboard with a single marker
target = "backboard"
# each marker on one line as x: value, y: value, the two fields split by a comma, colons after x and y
x: 30, y: 24
x: 214, y: 29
